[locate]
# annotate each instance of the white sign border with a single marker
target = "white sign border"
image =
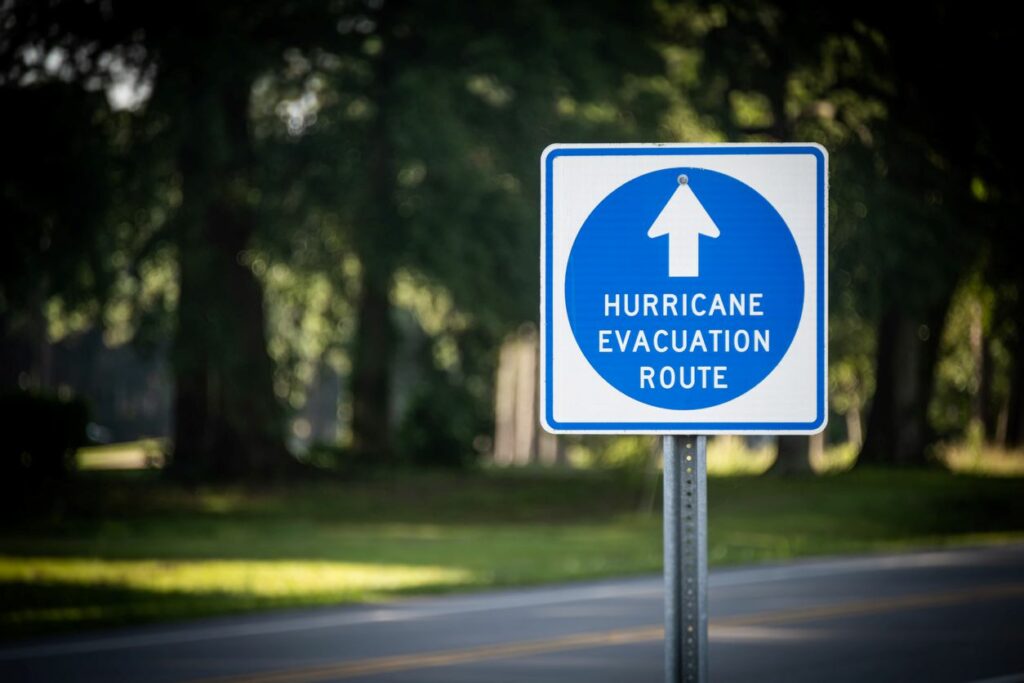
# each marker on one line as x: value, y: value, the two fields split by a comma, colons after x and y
x: 546, y: 296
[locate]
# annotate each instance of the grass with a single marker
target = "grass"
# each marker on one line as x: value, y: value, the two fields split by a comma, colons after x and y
x: 130, y: 455
x: 729, y: 456
x: 974, y: 457
x: 126, y: 548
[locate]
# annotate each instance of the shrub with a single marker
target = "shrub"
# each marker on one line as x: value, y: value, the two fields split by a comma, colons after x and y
x: 41, y: 436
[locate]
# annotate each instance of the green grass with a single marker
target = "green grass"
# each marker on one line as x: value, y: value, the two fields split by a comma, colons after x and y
x: 974, y: 457
x: 129, y: 455
x: 126, y: 548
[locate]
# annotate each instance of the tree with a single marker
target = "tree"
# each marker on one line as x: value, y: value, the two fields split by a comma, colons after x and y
x: 928, y: 237
x: 203, y: 61
x: 435, y: 137
x: 772, y: 72
x: 55, y: 206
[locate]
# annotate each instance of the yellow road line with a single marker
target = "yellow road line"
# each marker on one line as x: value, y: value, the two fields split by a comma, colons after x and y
x: 875, y: 606
x: 410, y: 662
x: 430, y: 659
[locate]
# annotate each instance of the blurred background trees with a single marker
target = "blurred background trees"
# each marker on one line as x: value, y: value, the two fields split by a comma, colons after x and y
x: 302, y: 231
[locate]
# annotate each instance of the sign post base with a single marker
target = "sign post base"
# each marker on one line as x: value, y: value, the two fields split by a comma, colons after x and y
x: 686, y: 559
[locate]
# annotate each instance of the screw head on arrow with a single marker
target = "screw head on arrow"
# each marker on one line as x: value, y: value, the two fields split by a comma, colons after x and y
x: 683, y: 179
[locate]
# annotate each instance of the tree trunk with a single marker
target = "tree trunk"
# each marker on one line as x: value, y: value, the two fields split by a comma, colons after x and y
x: 378, y: 242
x: 982, y: 413
x: 371, y: 370
x: 377, y: 245
x: 854, y: 431
x: 228, y: 423
x: 794, y: 455
x: 898, y: 431
x: 1015, y: 407
x: 986, y: 408
x: 22, y: 345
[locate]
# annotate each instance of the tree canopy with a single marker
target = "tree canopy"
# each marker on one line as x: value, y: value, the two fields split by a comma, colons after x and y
x: 274, y: 189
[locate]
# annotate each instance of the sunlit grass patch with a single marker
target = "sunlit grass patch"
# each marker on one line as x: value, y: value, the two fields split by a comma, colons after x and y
x: 131, y: 455
x: 41, y: 594
x: 982, y: 459
x: 732, y: 456
x: 834, y: 459
x: 128, y: 549
x: 256, y: 578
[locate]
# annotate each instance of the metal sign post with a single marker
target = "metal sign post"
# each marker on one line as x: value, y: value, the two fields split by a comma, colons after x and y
x: 686, y: 559
x: 684, y: 290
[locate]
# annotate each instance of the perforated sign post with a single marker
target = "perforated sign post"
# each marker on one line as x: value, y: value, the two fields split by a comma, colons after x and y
x: 683, y: 292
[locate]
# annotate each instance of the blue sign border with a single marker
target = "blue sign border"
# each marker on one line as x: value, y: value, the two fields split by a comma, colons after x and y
x: 556, y: 151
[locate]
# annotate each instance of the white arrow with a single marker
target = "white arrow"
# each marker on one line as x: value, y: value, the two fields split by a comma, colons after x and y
x: 684, y: 220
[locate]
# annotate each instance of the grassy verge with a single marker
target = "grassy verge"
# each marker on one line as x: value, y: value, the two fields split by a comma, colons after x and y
x: 126, y: 548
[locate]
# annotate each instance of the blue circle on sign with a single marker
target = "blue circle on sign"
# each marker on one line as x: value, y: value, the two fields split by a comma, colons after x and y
x: 684, y: 288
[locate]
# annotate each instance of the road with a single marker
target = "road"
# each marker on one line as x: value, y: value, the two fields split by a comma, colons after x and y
x: 951, y: 615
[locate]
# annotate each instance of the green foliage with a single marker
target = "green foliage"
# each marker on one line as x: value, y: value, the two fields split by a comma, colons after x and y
x: 634, y: 458
x: 392, y: 148
x: 972, y: 377
x: 413, y: 153
x: 448, y: 407
x: 55, y: 198
x: 441, y: 426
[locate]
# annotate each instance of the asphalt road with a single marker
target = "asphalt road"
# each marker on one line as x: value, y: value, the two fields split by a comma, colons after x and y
x: 954, y: 615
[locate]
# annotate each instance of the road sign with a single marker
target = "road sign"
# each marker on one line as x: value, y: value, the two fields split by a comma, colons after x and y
x: 684, y: 288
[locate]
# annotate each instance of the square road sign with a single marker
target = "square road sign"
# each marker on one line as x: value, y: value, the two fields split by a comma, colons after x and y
x: 683, y: 288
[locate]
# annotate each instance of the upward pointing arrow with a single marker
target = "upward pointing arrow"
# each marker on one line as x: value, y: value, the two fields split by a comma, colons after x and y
x: 684, y: 220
